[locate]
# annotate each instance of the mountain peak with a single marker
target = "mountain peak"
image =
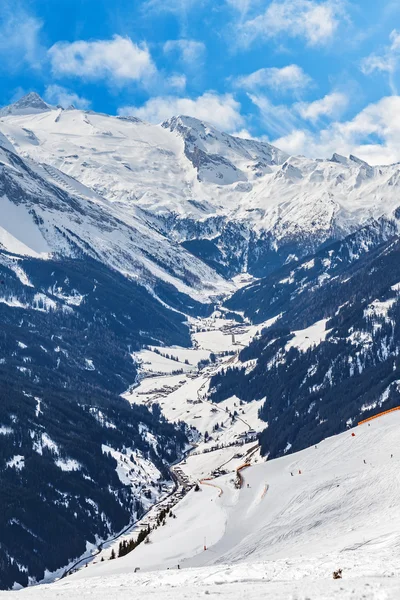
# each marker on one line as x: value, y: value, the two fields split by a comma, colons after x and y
x: 338, y: 158
x: 183, y: 121
x: 29, y: 104
x: 358, y: 161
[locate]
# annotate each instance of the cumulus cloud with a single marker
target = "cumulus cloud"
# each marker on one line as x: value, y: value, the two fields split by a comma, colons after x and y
x: 223, y: 111
x: 387, y: 61
x: 60, y: 96
x: 190, y: 52
x: 330, y: 105
x: 291, y: 77
x: 373, y: 135
x: 118, y: 59
x: 313, y: 20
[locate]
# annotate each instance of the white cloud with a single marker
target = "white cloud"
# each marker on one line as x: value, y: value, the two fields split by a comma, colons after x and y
x: 223, y: 111
x: 118, y: 59
x: 313, y: 20
x: 244, y: 134
x: 190, y: 52
x: 395, y: 40
x: 279, y: 120
x: 330, y: 105
x: 282, y: 119
x: 19, y: 37
x: 373, y: 135
x: 58, y: 95
x: 387, y: 61
x: 177, y: 82
x: 291, y: 77
x: 375, y: 62
x: 241, y: 6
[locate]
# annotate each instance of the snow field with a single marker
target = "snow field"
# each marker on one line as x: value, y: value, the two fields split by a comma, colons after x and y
x: 282, y: 541
x: 338, y: 508
x: 309, y: 337
x: 337, y: 505
x: 183, y: 397
x: 199, y: 466
x: 250, y: 581
x: 156, y: 359
x: 170, y: 544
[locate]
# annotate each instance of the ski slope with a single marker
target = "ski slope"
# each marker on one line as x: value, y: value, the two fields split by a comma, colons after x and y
x: 338, y: 506
x: 279, y: 538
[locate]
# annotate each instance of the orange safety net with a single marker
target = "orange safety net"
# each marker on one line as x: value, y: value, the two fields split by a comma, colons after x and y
x: 380, y: 415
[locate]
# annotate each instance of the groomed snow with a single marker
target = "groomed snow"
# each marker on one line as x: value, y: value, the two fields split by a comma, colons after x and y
x: 279, y: 537
x: 305, y: 580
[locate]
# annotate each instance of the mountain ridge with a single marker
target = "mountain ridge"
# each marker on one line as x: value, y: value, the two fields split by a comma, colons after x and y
x: 193, y: 183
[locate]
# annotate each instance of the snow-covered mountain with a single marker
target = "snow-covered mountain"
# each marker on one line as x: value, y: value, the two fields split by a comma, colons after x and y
x: 328, y: 356
x: 209, y: 190
x: 30, y: 104
x: 45, y: 212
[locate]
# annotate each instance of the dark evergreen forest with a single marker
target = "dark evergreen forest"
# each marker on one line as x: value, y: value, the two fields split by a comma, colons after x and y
x: 311, y: 395
x: 66, y: 335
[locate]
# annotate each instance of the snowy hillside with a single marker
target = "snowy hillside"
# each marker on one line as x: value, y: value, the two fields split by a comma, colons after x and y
x: 331, y: 508
x: 43, y: 211
x: 329, y: 358
x: 295, y: 520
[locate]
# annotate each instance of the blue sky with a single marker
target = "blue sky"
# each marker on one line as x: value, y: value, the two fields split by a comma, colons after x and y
x: 312, y: 76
